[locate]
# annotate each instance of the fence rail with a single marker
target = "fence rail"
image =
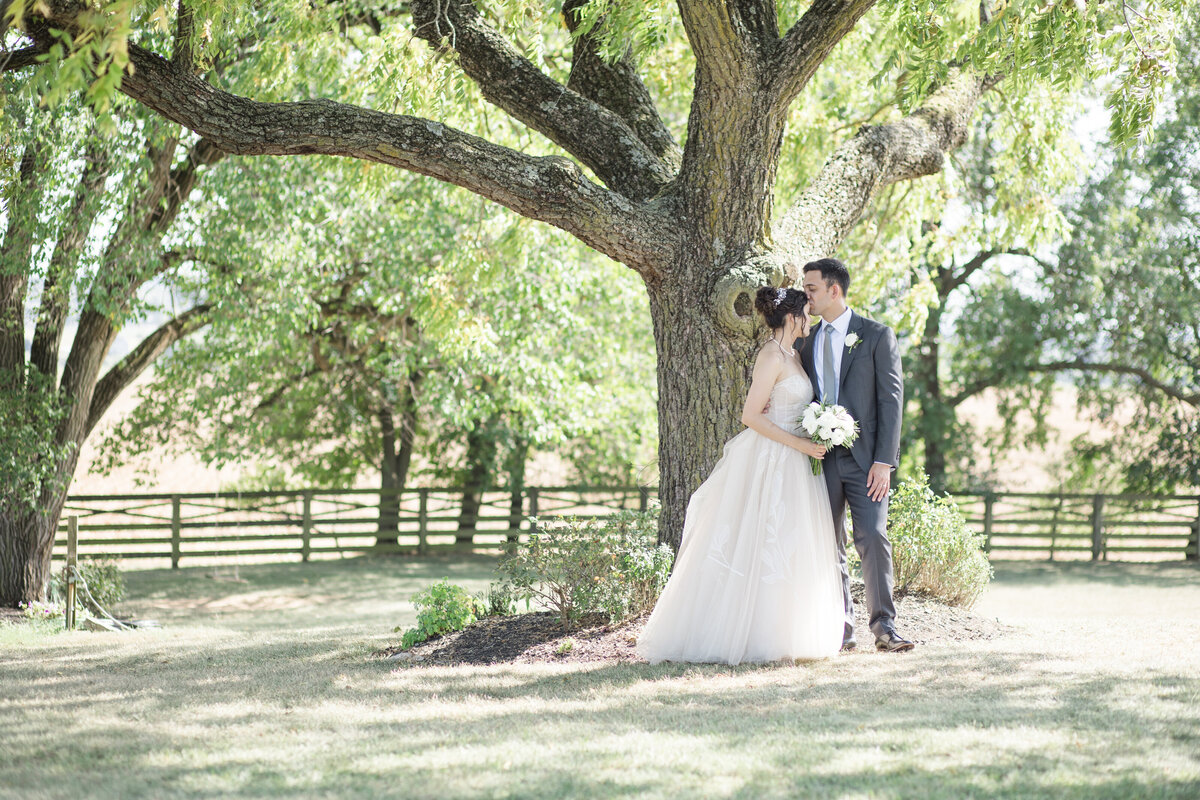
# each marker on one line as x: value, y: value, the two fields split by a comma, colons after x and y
x: 317, y: 523
x: 1095, y: 526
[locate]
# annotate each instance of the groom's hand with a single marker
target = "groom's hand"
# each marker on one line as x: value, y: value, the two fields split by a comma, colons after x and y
x: 879, y: 481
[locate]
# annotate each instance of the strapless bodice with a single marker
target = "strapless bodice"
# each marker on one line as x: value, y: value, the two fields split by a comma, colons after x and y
x: 789, y: 397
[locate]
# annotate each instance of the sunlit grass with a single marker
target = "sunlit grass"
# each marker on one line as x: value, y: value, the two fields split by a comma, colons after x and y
x: 262, y: 684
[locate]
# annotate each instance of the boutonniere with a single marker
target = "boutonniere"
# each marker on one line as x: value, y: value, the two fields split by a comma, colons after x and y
x: 853, y: 340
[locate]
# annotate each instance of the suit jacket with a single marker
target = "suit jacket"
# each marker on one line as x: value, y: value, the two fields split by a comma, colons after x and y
x: 871, y: 388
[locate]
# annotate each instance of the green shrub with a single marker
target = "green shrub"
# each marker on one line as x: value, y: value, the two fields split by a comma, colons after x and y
x: 500, y: 600
x: 442, y: 608
x: 103, y: 579
x: 642, y: 565
x: 576, y: 567
x: 933, y: 550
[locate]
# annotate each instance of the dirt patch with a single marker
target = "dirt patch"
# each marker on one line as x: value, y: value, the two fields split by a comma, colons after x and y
x: 540, y: 638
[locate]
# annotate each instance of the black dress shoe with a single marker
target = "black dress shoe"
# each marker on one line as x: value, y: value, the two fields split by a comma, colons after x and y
x: 893, y: 643
x: 849, y: 643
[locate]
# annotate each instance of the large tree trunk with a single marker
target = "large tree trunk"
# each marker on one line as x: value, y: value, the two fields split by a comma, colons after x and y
x: 703, y: 376
x: 25, y: 544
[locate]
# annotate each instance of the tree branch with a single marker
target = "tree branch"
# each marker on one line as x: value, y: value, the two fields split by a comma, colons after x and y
x: 595, y: 135
x: 20, y: 59
x: 720, y: 37
x: 15, y: 255
x: 56, y: 289
x: 551, y: 189
x: 184, y: 54
x: 617, y: 87
x: 875, y: 157
x: 809, y: 42
x: 135, y: 363
x: 1142, y: 374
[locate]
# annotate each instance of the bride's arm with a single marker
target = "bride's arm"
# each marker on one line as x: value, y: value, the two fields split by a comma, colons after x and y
x: 767, y: 368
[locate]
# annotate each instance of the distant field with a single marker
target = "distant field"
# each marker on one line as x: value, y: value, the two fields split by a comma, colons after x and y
x: 1020, y: 470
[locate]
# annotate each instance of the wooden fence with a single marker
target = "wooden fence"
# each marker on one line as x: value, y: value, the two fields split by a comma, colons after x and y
x: 318, y: 523
x: 1095, y: 526
x: 315, y: 523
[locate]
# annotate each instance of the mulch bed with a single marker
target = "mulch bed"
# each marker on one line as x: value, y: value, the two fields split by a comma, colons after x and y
x: 540, y: 637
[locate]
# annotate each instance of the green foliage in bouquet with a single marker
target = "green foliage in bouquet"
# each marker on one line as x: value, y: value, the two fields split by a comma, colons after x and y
x: 442, y: 608
x: 933, y: 550
x: 576, y: 567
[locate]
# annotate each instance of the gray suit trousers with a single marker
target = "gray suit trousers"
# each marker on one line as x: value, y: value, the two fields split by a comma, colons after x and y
x: 847, y: 485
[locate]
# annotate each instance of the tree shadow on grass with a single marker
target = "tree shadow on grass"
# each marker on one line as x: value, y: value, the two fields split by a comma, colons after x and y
x: 940, y: 723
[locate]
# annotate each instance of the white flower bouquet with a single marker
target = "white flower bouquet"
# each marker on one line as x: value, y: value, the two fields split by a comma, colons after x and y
x: 828, y: 425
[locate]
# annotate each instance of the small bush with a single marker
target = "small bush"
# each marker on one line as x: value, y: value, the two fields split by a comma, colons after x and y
x: 933, y: 550
x: 103, y: 579
x: 500, y: 600
x: 442, y: 608
x: 576, y: 567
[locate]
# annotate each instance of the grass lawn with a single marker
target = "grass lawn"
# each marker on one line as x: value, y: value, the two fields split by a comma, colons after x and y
x: 260, y: 684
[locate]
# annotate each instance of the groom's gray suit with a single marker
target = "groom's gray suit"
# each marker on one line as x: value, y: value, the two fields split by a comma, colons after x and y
x: 872, y: 390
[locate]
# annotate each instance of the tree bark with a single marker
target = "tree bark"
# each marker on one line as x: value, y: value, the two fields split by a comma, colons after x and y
x: 935, y: 415
x: 14, y: 259
x: 387, y: 529
x: 703, y: 377
x: 395, y: 461
x: 516, y: 463
x: 481, y: 453
x: 26, y: 541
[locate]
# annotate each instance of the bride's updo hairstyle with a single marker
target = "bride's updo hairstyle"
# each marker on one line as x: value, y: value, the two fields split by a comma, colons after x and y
x: 777, y: 304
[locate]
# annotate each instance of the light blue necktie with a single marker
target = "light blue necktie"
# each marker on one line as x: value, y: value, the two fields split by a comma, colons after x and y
x: 828, y: 381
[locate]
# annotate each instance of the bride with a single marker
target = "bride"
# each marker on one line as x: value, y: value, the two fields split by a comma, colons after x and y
x: 756, y: 578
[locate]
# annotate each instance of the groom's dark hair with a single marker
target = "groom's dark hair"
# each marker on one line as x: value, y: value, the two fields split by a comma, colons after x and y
x: 832, y: 270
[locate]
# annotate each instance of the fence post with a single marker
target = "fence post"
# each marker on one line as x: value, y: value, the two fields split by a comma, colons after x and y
x: 422, y: 521
x: 176, y: 530
x: 1192, y: 551
x: 643, y: 498
x: 72, y: 562
x: 306, y: 529
x: 989, y: 504
x: 1097, y: 527
x: 533, y: 509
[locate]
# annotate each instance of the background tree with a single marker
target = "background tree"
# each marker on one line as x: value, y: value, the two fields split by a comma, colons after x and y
x: 1112, y: 308
x: 89, y: 222
x: 694, y: 221
x: 397, y: 318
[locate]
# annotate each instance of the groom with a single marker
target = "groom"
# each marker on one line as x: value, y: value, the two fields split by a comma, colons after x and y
x: 854, y: 362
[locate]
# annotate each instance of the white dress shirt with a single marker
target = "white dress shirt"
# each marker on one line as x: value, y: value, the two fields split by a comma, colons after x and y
x: 840, y: 327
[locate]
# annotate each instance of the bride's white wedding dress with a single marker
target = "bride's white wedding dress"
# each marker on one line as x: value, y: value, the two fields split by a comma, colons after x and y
x: 756, y: 577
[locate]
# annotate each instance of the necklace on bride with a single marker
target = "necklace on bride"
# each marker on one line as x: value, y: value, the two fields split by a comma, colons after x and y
x: 787, y: 351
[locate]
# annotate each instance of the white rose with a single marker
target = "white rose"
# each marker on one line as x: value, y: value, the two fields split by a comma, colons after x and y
x: 809, y: 421
x: 827, y: 419
x: 838, y: 438
x: 851, y: 339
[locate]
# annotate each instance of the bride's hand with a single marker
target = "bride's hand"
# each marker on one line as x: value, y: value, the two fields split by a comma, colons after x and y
x: 811, y: 449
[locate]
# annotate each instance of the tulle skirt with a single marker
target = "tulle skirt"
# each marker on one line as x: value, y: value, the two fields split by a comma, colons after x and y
x: 756, y: 577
